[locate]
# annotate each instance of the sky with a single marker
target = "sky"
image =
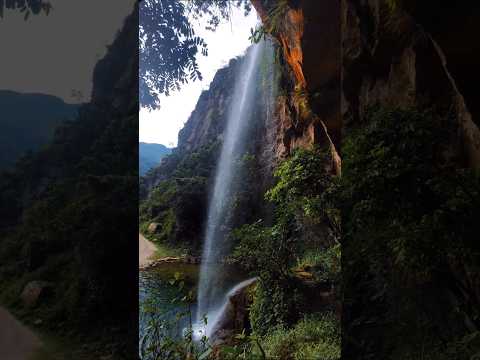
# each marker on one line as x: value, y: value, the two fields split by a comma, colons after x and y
x: 228, y: 41
x: 56, y: 54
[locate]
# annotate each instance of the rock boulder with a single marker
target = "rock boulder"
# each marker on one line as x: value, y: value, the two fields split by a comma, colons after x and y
x: 34, y: 291
x: 234, y: 316
x: 152, y: 228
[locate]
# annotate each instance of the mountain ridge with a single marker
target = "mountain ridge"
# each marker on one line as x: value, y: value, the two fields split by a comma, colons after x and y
x: 29, y: 121
x: 150, y: 155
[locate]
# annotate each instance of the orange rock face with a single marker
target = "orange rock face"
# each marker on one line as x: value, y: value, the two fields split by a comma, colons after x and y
x: 291, y: 39
x: 309, y: 36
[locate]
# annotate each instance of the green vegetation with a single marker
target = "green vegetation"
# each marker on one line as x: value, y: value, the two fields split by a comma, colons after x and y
x: 68, y: 217
x: 410, y: 243
x: 276, y: 303
x: 283, y: 325
x: 200, y: 162
x: 163, y: 251
x: 410, y: 254
x: 313, y: 337
x: 62, y: 239
x: 303, y: 206
x: 303, y: 200
x: 324, y: 265
x: 166, y: 336
x: 393, y: 4
x: 303, y: 190
x: 272, y: 24
x: 404, y: 217
x: 179, y: 202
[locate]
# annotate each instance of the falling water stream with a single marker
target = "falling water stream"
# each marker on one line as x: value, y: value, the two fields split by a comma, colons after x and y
x: 210, y: 301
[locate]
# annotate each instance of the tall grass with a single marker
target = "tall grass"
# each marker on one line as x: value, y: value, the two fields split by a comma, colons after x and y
x: 314, y: 337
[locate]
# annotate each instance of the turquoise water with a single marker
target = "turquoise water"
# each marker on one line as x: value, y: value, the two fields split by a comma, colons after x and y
x: 158, y: 295
x: 162, y: 312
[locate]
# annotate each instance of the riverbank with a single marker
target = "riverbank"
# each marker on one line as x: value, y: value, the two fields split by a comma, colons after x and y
x: 151, y: 255
x: 146, y: 251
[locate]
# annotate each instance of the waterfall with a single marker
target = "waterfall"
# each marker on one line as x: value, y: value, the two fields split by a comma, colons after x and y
x: 234, y: 140
x: 217, y: 317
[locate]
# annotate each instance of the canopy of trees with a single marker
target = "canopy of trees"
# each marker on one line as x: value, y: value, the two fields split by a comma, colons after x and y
x: 169, y: 45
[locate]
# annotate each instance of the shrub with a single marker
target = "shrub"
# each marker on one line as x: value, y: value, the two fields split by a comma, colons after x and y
x: 325, y: 264
x: 302, y: 180
x: 276, y: 303
x: 302, y: 200
x: 408, y: 216
x: 314, y: 337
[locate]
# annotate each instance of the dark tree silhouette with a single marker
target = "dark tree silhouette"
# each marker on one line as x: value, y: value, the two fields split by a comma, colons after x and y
x: 169, y: 45
x: 26, y: 6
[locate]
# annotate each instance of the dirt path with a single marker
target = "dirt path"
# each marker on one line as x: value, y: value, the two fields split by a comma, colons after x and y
x: 146, y: 250
x: 17, y: 342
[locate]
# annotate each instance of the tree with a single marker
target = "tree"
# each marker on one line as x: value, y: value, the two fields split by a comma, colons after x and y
x: 26, y: 6
x: 169, y: 45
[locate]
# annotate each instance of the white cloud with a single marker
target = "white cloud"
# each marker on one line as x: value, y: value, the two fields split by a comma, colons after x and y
x: 228, y: 41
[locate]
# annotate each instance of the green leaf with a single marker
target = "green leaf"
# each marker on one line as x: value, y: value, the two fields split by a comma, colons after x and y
x: 205, y: 355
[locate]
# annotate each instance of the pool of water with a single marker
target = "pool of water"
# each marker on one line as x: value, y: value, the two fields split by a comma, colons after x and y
x: 162, y: 311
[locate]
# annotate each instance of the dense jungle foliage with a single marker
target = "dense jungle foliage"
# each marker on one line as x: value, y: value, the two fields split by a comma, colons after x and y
x: 58, y: 224
x: 178, y: 204
x: 174, y: 196
x: 69, y: 214
x: 285, y: 322
x: 410, y: 240
x: 303, y: 237
x: 402, y: 218
x: 409, y: 248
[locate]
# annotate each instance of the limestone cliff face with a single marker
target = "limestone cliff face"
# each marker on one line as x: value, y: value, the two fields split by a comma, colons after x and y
x: 207, y: 121
x: 204, y: 126
x: 389, y: 59
x: 309, y: 35
x: 454, y: 27
x: 190, y: 170
x: 342, y: 57
x: 410, y: 56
